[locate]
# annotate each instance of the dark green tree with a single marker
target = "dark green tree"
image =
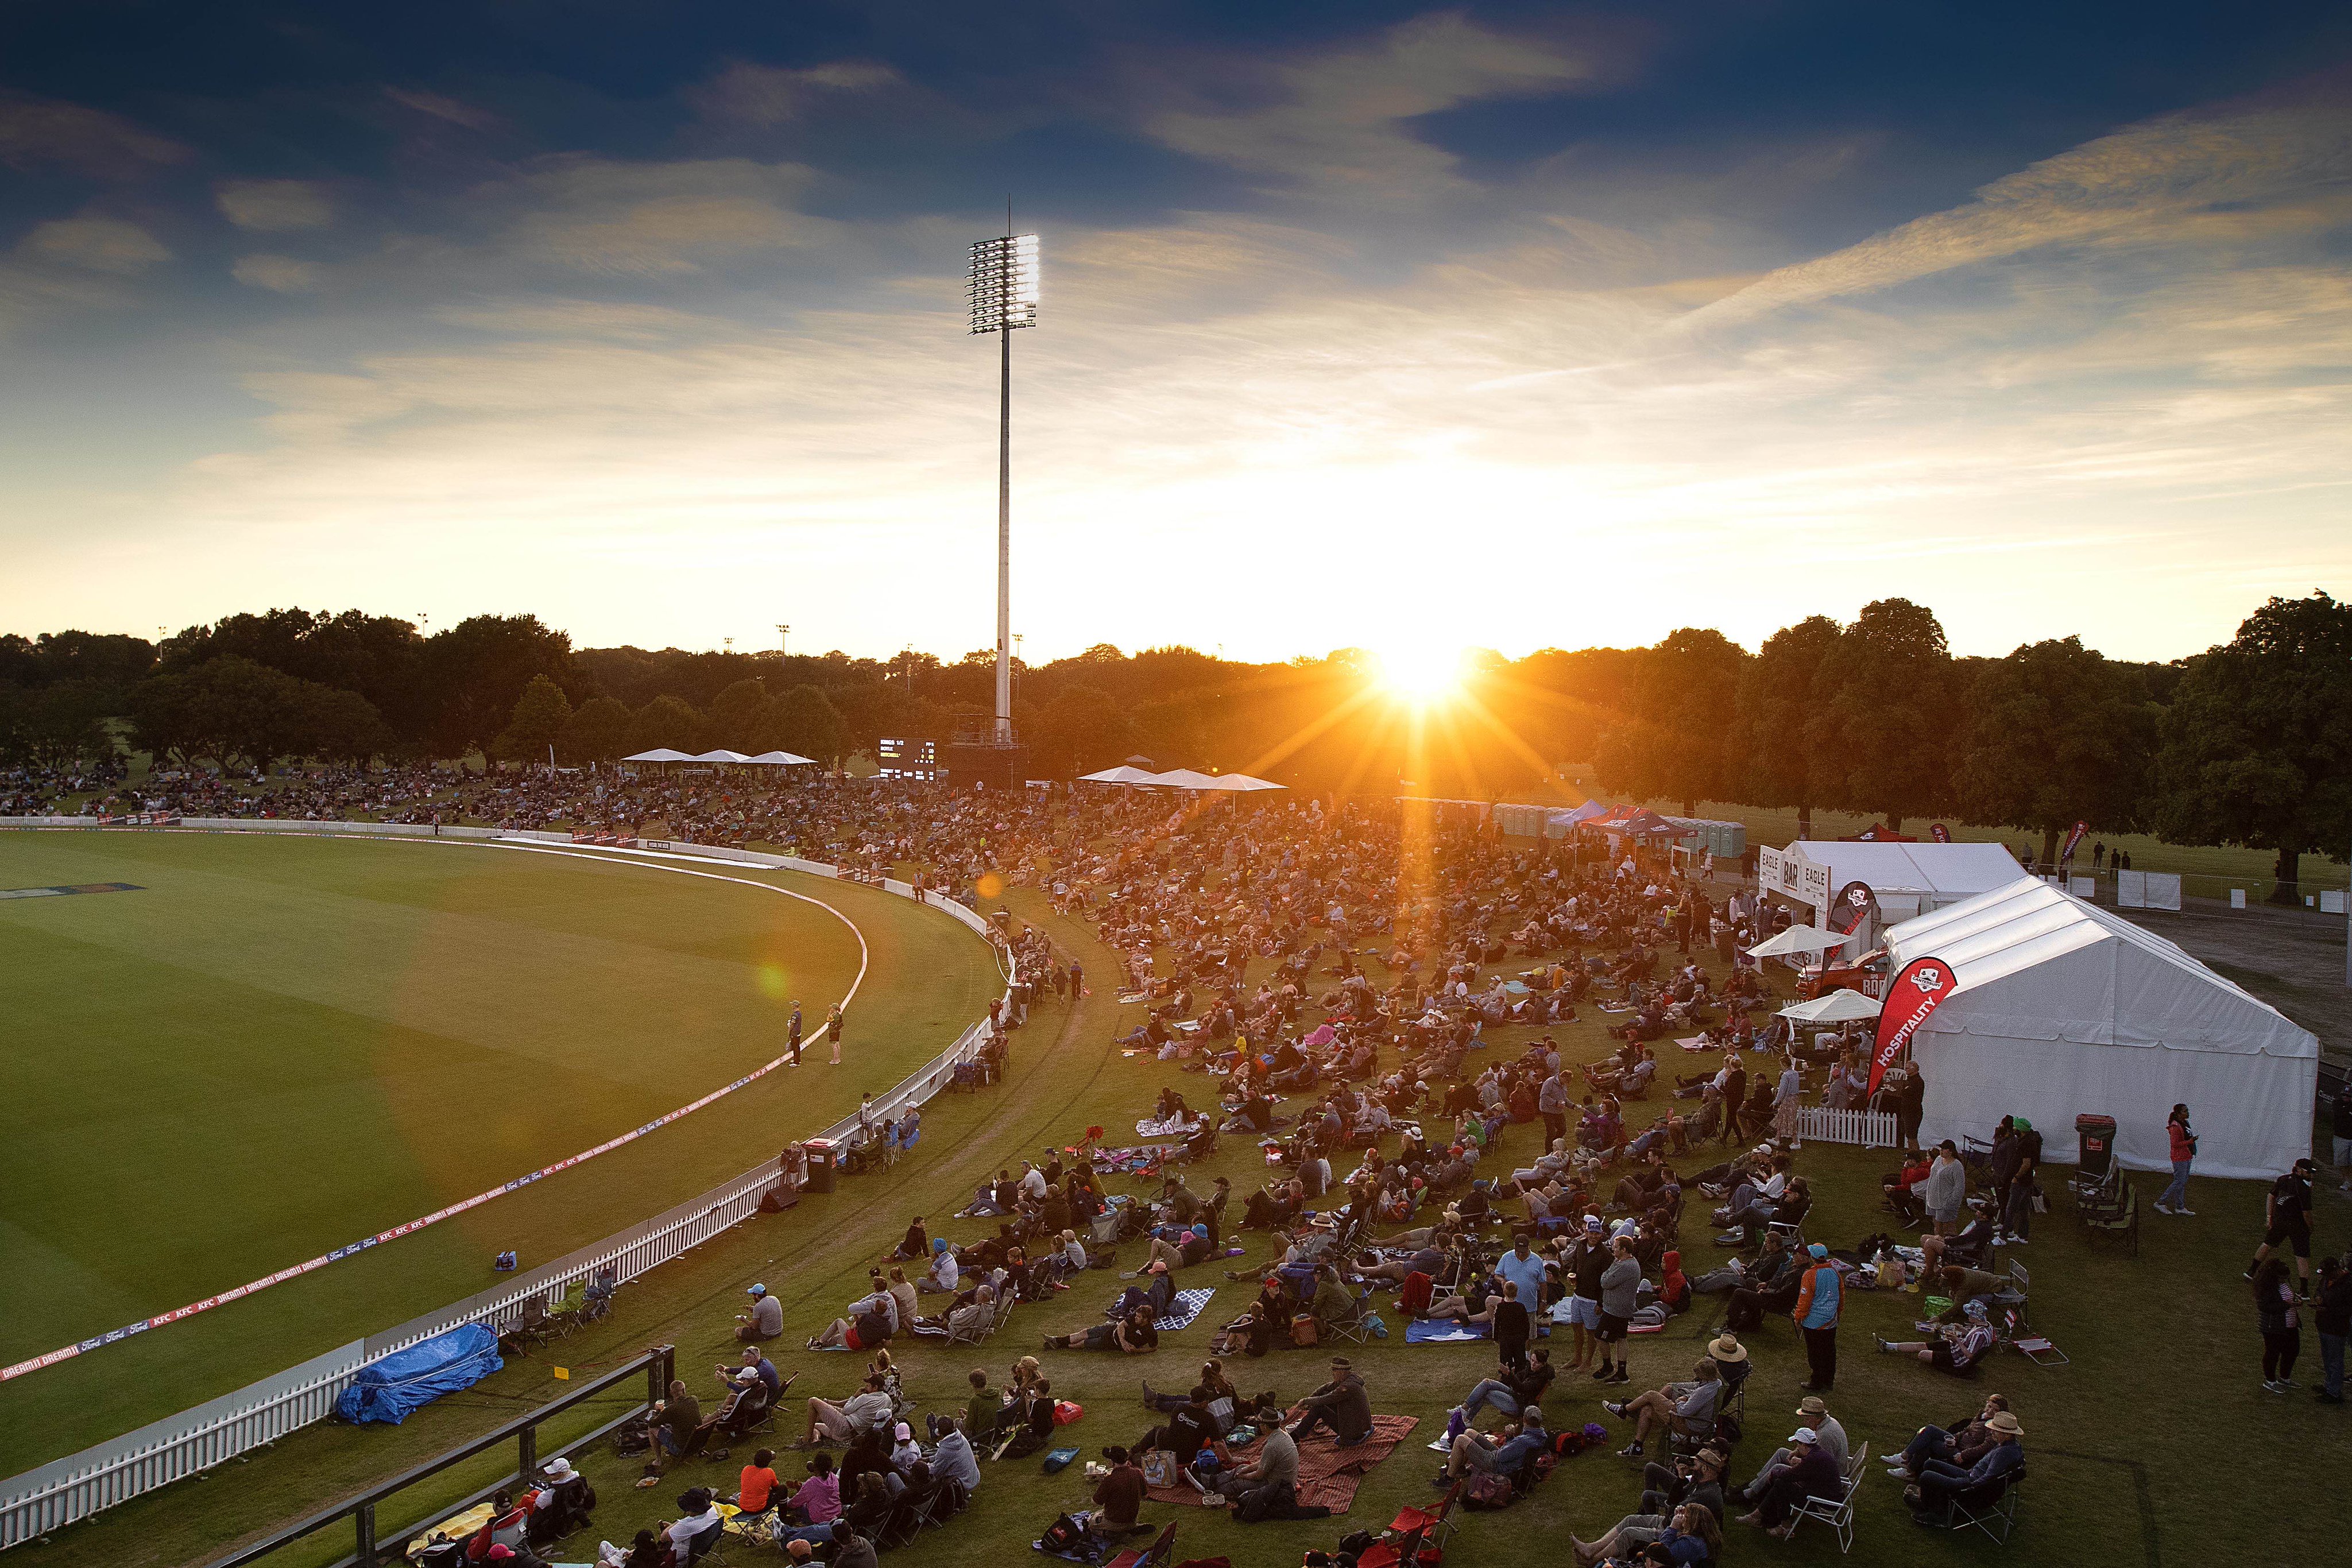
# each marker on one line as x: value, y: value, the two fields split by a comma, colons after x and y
x: 2257, y: 744
x: 539, y: 718
x: 1885, y: 717
x: 2056, y: 735
x: 1680, y: 740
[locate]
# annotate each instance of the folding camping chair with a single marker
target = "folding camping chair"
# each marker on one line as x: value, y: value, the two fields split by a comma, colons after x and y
x: 1434, y: 1529
x: 1838, y: 1512
x: 1405, y: 1552
x: 1355, y: 1329
x: 1991, y: 1508
x: 1158, y: 1554
x: 2110, y: 1206
x: 2016, y: 1302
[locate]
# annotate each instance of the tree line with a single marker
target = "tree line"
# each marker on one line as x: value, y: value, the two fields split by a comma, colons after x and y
x: 2247, y: 743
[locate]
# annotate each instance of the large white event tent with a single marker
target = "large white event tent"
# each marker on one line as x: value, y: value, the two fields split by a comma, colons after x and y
x: 2060, y: 1008
x: 781, y: 759
x: 662, y: 754
x: 1181, y: 779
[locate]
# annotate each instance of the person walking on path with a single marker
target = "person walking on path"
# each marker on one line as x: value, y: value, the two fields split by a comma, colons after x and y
x: 1820, y: 1299
x: 832, y: 1023
x: 2175, y: 1200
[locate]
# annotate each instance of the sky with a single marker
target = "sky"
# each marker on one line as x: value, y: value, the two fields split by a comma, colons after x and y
x: 1512, y: 326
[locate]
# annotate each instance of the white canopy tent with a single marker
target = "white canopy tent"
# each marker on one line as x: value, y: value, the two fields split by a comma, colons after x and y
x: 721, y: 757
x: 781, y: 759
x: 1183, y: 778
x: 1122, y: 774
x: 2059, y: 1009
x: 662, y: 754
x: 1908, y: 878
x: 1837, y: 1006
x: 1799, y: 939
x: 1242, y: 784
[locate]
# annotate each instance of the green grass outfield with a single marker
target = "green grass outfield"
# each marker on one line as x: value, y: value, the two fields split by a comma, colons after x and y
x: 278, y: 1046
x: 2156, y: 1445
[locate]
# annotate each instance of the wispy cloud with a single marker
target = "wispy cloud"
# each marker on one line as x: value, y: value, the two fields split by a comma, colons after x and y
x: 1339, y: 122
x: 278, y: 274
x: 2223, y: 174
x: 444, y: 108
x: 273, y: 206
x: 98, y: 243
x: 748, y: 94
x: 644, y: 220
x: 38, y: 132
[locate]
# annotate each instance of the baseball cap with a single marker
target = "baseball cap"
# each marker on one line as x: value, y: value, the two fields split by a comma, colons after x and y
x: 1805, y: 1435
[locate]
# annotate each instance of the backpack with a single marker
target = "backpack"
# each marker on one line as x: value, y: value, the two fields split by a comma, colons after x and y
x: 1487, y: 1490
x: 1303, y: 1332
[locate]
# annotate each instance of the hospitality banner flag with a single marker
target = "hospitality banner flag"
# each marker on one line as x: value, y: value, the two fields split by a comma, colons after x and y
x: 2072, y: 840
x: 1915, y: 993
x: 1943, y: 834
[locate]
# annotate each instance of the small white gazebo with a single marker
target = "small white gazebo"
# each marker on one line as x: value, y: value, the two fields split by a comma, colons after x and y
x: 1799, y: 939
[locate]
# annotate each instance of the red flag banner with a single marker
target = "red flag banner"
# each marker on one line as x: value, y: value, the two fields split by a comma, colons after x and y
x: 1943, y: 834
x: 1855, y: 903
x: 2073, y: 841
x: 1912, y: 996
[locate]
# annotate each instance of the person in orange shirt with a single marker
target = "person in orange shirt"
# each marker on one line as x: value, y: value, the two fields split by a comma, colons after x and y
x: 758, y: 1484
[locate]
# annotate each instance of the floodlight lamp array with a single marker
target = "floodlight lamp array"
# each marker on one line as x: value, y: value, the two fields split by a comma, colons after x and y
x: 1003, y: 286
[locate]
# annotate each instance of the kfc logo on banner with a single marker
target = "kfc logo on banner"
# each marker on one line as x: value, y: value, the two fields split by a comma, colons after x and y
x: 1915, y: 993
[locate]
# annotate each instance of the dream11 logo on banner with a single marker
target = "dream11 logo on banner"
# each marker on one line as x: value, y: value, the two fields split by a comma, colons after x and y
x: 1915, y: 992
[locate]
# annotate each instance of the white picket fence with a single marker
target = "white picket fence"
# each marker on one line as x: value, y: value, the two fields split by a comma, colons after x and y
x: 57, y: 1494
x: 1871, y: 1129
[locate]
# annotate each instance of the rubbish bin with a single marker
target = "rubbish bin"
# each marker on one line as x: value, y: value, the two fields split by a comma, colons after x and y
x: 2097, y: 1136
x: 824, y: 1164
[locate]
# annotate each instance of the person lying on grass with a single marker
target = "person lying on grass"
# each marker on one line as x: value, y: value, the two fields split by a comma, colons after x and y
x: 1684, y: 1409
x: 1131, y: 1335
x: 1955, y: 1350
x: 1508, y: 1390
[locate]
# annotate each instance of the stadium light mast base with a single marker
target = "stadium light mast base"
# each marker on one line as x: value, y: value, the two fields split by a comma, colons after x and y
x: 1003, y: 298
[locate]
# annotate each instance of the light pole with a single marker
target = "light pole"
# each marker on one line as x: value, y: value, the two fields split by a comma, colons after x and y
x: 1003, y: 296
x: 783, y: 639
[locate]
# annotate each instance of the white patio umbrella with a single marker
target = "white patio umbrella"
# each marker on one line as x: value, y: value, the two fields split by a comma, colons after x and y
x: 1799, y: 939
x: 1122, y: 774
x: 1838, y: 1007
x: 1242, y: 783
x: 1183, y: 778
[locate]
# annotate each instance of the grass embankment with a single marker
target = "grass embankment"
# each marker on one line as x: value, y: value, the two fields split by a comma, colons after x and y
x: 2153, y: 1441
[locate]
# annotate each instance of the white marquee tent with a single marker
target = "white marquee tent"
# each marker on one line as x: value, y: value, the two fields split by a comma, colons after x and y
x: 660, y: 754
x: 2061, y: 1008
x: 1124, y: 773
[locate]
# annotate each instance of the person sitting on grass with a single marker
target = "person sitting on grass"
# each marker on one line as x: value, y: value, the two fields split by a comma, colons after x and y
x: 764, y: 1321
x: 942, y: 1278
x: 1689, y: 1534
x: 1268, y: 1487
x: 868, y: 1409
x: 1503, y: 1454
x: 1684, y: 1410
x: 816, y: 1501
x: 1130, y: 1335
x: 871, y: 1321
x: 1118, y: 1498
x: 1510, y: 1389
x: 1154, y: 1298
x: 1341, y: 1404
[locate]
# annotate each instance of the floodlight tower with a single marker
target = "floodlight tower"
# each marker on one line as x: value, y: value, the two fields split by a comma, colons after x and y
x: 1004, y: 295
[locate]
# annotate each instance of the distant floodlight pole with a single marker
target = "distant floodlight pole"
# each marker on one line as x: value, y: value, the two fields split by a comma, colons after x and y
x: 1003, y: 296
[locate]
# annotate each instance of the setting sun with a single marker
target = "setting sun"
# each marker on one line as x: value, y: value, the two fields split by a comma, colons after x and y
x: 1420, y: 672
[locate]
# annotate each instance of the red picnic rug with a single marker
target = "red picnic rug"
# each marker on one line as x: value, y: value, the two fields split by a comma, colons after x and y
x: 1328, y: 1473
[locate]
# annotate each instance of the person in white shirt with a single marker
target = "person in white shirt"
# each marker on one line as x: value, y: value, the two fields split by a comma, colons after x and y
x: 944, y: 1271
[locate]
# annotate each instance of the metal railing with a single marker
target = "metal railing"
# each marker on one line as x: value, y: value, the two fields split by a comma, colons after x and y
x: 657, y: 1364
x: 78, y: 1485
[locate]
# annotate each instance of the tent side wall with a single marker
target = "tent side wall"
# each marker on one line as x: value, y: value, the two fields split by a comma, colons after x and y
x: 2253, y: 1114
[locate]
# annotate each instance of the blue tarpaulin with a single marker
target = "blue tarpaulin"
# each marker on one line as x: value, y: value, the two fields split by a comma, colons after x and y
x: 407, y: 1380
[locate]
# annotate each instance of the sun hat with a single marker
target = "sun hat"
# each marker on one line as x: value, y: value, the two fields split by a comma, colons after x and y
x: 1725, y: 1347
x: 2005, y: 1424
x: 1805, y: 1435
x: 1812, y: 1406
x: 1343, y: 1363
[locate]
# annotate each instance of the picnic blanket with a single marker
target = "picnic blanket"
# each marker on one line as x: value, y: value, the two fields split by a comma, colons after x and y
x: 1134, y: 1158
x: 1187, y: 1306
x: 1174, y: 1127
x: 1692, y: 1042
x: 1328, y: 1473
x: 1441, y: 1331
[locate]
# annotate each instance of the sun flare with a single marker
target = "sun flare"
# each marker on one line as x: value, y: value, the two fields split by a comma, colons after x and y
x: 1420, y: 673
